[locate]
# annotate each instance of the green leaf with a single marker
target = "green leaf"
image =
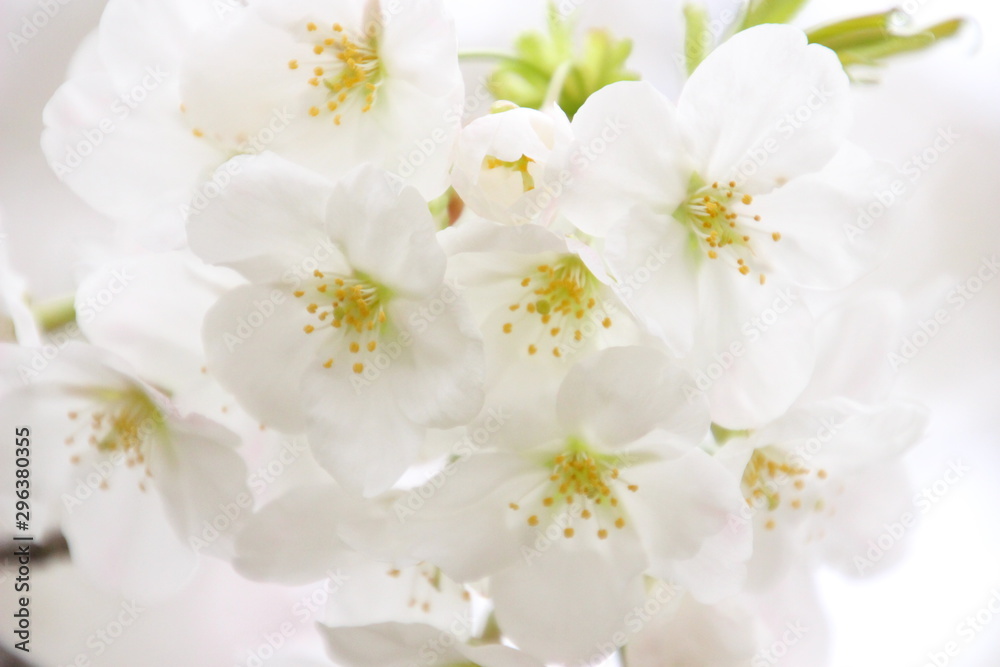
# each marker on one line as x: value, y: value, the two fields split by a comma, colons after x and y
x: 867, y: 40
x: 698, y: 39
x: 771, y: 11
x: 538, y: 68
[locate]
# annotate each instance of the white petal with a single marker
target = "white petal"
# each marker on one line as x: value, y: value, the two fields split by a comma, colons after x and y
x: 765, y: 107
x: 497, y: 656
x: 359, y: 433
x: 627, y: 149
x: 203, y: 481
x: 438, y: 380
x: 256, y: 348
x: 723, y: 635
x: 466, y: 521
x: 95, y: 153
x: 657, y: 276
x: 620, y: 394
x: 821, y: 244
x: 293, y: 540
x: 267, y: 223
x: 156, y: 300
x: 125, y: 539
x: 135, y: 35
x: 852, y: 347
x: 755, y: 353
x: 682, y: 503
x: 386, y: 235
x: 390, y: 645
x: 564, y: 605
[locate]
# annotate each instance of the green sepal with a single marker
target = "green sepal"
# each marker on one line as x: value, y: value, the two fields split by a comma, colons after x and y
x: 526, y: 77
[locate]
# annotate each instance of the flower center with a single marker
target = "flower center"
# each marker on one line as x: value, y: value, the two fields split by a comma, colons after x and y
x: 767, y: 473
x: 124, y: 421
x: 555, y: 300
x: 345, y: 65
x: 581, y: 483
x: 519, y: 165
x: 351, y: 306
x: 719, y: 221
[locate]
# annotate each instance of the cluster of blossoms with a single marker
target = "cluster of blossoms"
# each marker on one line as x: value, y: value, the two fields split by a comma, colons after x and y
x: 576, y: 380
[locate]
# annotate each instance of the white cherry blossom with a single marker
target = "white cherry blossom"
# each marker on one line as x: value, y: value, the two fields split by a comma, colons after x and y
x: 347, y: 330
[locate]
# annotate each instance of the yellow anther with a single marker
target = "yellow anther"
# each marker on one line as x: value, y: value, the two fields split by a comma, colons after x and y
x: 358, y: 368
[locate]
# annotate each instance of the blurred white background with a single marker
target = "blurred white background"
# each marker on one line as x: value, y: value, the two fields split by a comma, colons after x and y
x: 949, y: 223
